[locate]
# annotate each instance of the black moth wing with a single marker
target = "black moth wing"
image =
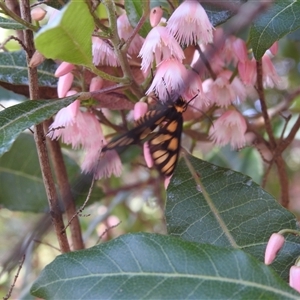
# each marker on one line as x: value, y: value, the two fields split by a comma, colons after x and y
x: 144, y: 126
x: 165, y: 145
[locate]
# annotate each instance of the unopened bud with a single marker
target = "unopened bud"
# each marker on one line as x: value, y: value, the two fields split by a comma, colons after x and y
x: 274, y: 48
x: 36, y: 59
x: 295, y: 278
x: 156, y: 14
x: 275, y: 243
x: 96, y: 84
x: 38, y: 14
x: 63, y: 69
x: 140, y: 108
x: 147, y: 155
x: 64, y: 84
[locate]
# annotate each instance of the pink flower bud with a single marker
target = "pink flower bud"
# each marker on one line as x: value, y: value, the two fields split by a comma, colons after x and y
x: 275, y: 243
x: 38, y: 14
x: 147, y: 155
x: 274, y: 48
x: 140, y: 108
x: 64, y: 84
x: 155, y: 15
x: 240, y: 50
x: 71, y: 93
x: 63, y: 69
x: 96, y: 84
x: 247, y: 71
x: 295, y: 278
x: 167, y: 181
x: 36, y: 59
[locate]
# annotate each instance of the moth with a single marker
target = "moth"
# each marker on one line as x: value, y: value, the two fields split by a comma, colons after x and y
x: 164, y: 143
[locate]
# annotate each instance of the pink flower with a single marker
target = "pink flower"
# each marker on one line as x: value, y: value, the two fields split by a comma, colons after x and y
x: 239, y: 48
x: 65, y: 117
x: 193, y: 87
x: 295, y: 278
x: 169, y: 80
x: 125, y: 31
x: 103, y: 53
x: 105, y: 166
x: 156, y: 14
x: 270, y: 76
x: 275, y: 243
x: 190, y: 25
x: 222, y: 92
x: 63, y: 69
x: 247, y: 71
x: 159, y: 45
x: 64, y: 84
x: 76, y: 127
x: 229, y: 128
x: 82, y: 129
x: 96, y: 84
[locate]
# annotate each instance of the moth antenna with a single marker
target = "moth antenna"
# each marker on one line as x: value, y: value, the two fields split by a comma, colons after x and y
x: 207, y: 116
x: 169, y: 96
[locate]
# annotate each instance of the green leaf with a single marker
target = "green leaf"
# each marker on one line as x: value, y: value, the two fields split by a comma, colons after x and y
x: 247, y: 161
x: 70, y: 34
x: 217, y: 14
x: 21, y: 170
x: 14, y: 70
x: 7, y: 96
x: 17, y: 118
x: 162, y: 3
x: 281, y: 18
x: 151, y: 266
x: 239, y: 211
x: 134, y: 10
x: 11, y: 24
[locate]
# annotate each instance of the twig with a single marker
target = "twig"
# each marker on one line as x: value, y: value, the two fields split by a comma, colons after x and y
x: 260, y: 91
x: 105, y: 121
x: 291, y: 136
x: 7, y: 296
x: 206, y: 63
x: 106, y: 231
x: 65, y: 189
x: 108, y: 89
x: 97, y: 22
x: 138, y: 26
x: 47, y: 244
x: 17, y: 18
x: 13, y: 38
x: 121, y: 55
x: 80, y: 210
x: 55, y: 211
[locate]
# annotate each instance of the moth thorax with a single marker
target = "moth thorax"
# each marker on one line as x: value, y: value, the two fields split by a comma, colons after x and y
x: 181, y: 108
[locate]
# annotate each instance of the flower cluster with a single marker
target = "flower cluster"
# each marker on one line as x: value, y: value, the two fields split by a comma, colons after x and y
x: 220, y: 84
